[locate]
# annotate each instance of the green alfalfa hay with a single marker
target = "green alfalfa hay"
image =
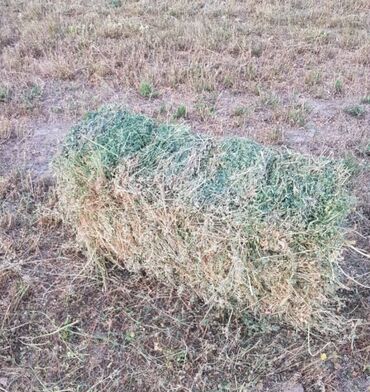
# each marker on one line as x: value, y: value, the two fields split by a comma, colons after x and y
x: 242, y: 225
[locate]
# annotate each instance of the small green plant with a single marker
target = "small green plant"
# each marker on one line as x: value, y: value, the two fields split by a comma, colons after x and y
x: 240, y: 115
x: 258, y: 90
x: 250, y: 72
x: 115, y: 3
x: 338, y: 87
x: 297, y: 115
x: 224, y: 386
x: 352, y: 164
x: 355, y: 111
x: 258, y: 325
x: 32, y: 94
x: 366, y: 369
x: 256, y: 49
x: 367, y: 150
x: 204, y: 86
x: 270, y: 99
x: 366, y: 100
x: 66, y: 331
x: 129, y: 336
x: 163, y: 109
x: 276, y: 135
x: 228, y: 81
x: 205, y: 110
x: 313, y: 78
x: 206, y: 106
x: 181, y: 112
x: 181, y: 357
x: 240, y: 111
x: 4, y: 94
x: 146, y: 90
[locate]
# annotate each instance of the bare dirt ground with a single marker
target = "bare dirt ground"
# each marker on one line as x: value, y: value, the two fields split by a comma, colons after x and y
x: 287, y: 74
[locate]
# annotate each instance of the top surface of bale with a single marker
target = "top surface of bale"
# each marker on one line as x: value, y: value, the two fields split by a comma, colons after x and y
x: 222, y: 170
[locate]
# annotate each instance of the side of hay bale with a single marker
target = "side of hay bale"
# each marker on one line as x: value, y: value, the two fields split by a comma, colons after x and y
x: 243, y: 226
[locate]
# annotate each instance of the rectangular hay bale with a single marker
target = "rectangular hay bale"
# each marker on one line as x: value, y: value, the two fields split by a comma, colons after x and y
x: 244, y: 226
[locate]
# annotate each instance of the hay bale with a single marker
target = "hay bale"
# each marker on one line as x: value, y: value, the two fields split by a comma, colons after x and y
x: 242, y: 225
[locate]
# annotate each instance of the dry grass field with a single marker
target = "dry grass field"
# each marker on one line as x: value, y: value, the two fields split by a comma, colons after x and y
x: 292, y: 74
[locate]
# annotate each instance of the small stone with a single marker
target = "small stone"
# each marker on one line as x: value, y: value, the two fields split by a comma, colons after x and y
x: 3, y: 381
x: 295, y: 388
x: 289, y: 387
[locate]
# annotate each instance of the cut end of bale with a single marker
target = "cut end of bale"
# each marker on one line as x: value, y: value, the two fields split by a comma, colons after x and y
x: 244, y: 226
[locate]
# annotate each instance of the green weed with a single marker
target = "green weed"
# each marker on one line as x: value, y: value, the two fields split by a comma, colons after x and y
x: 181, y: 112
x: 338, y: 86
x: 313, y: 78
x: 366, y: 100
x: 298, y: 114
x: 147, y: 90
x: 356, y: 111
x: 5, y: 94
x: 115, y: 3
x: 270, y: 99
x: 31, y: 95
x: 240, y: 111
